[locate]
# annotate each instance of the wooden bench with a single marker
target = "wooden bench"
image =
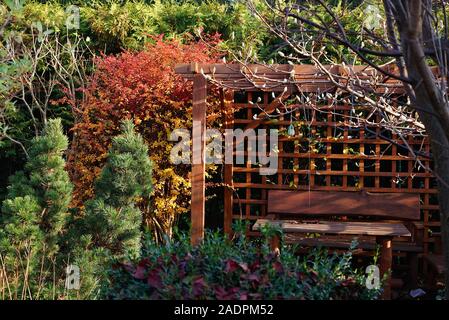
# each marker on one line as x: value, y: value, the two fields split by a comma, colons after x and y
x: 379, y: 215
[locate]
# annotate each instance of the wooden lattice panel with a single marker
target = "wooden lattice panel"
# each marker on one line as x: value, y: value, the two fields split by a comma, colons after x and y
x: 326, y: 153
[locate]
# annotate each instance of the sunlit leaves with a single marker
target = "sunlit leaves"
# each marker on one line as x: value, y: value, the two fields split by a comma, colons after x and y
x: 141, y: 86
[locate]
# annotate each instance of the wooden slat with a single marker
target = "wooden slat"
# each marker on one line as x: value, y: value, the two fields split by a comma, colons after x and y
x: 340, y: 173
x: 333, y: 156
x: 402, y: 155
x: 392, y: 205
x: 332, y: 188
x: 344, y: 228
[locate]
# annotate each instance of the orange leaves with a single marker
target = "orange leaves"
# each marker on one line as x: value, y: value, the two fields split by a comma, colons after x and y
x: 142, y: 86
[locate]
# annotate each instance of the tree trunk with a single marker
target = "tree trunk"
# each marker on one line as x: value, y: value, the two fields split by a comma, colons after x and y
x: 440, y: 155
x: 431, y: 107
x: 441, y: 159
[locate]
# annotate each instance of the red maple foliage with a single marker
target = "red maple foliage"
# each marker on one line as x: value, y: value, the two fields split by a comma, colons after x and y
x: 144, y: 87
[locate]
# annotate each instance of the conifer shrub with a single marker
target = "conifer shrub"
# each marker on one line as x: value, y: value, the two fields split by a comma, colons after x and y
x: 33, y: 219
x: 110, y: 228
x: 112, y: 218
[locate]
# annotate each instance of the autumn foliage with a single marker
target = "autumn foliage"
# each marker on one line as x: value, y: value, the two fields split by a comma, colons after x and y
x: 141, y: 86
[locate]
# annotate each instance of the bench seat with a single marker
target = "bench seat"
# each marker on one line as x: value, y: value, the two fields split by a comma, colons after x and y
x: 346, y: 244
x: 337, y: 227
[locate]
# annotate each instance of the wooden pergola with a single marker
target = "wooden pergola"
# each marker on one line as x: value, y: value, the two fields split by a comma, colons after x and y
x: 290, y: 79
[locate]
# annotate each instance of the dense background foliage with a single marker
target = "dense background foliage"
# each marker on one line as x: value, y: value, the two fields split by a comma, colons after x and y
x: 117, y: 64
x: 53, y: 72
x: 50, y: 71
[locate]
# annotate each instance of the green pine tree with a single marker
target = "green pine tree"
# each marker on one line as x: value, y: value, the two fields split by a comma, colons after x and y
x: 110, y: 228
x: 34, y: 214
x: 113, y: 218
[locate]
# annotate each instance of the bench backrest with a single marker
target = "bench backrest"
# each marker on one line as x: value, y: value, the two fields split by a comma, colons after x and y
x: 401, y: 206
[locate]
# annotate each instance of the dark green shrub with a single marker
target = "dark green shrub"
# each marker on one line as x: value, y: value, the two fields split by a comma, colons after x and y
x: 111, y: 226
x: 112, y: 218
x: 33, y: 219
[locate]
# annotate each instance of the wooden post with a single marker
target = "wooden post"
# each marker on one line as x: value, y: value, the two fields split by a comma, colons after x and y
x: 386, y: 259
x: 228, y: 98
x: 412, y: 258
x: 199, y: 158
x: 275, y: 240
x: 275, y: 244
